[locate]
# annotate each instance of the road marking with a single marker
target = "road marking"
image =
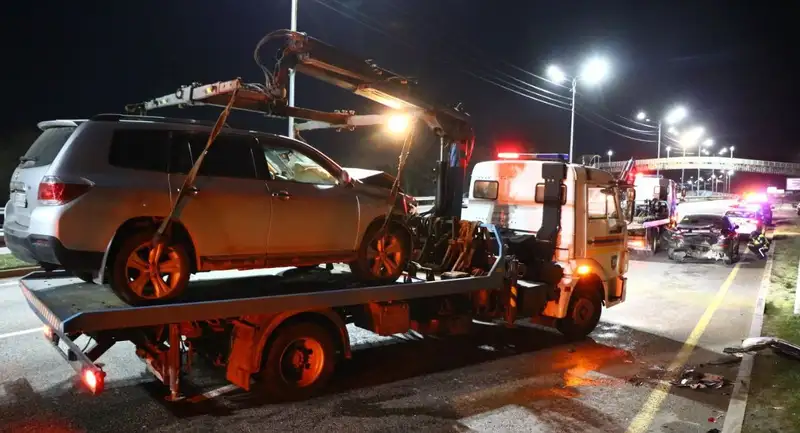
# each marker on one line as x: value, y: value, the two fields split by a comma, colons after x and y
x: 17, y: 333
x: 734, y: 418
x: 9, y: 283
x: 641, y: 422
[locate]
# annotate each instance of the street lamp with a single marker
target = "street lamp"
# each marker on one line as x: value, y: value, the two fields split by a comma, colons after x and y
x: 609, y: 153
x: 730, y: 178
x: 673, y: 117
x: 593, y: 72
x: 688, y: 139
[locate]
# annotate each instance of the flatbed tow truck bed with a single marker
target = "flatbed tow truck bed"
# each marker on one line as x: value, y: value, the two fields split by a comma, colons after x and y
x: 246, y: 311
x: 69, y: 306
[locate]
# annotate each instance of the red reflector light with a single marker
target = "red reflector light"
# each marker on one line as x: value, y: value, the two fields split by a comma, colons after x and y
x: 94, y: 380
x: 54, y: 191
x: 508, y: 155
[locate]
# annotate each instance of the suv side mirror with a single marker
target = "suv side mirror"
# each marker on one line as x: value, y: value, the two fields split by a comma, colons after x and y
x: 345, y: 179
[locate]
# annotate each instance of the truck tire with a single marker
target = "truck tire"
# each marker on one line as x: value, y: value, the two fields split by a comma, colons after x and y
x: 583, y: 314
x: 298, y: 362
x: 130, y: 270
x: 383, y: 255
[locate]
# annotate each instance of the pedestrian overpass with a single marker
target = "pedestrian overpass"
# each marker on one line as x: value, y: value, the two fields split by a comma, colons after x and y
x: 708, y: 163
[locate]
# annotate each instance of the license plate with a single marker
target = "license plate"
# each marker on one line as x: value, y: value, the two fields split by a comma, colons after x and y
x: 20, y: 200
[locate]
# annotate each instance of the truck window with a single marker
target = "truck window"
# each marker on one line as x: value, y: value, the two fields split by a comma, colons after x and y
x: 597, y: 203
x: 539, y: 197
x: 486, y: 189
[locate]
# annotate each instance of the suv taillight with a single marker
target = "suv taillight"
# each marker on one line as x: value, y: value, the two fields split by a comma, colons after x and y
x: 54, y: 191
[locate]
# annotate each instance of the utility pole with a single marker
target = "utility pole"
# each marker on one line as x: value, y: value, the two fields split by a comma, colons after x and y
x: 658, y: 152
x: 292, y: 27
x: 572, y: 118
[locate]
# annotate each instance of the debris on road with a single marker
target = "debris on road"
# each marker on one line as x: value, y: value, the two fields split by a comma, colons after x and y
x: 756, y: 344
x: 694, y: 379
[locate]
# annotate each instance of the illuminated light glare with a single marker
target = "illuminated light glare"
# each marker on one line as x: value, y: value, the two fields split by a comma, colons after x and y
x: 676, y: 115
x: 398, y: 123
x: 595, y: 70
x: 692, y: 136
x: 610, y: 152
x: 90, y: 379
x: 584, y: 269
x: 508, y: 155
x: 673, y: 130
x: 48, y: 332
x: 708, y: 142
x: 641, y: 116
x: 556, y: 75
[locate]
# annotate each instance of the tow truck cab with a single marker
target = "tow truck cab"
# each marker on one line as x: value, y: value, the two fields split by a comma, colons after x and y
x: 592, y: 244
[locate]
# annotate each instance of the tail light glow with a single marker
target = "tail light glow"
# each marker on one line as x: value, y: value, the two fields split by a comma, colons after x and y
x: 53, y: 191
x: 94, y: 380
x: 508, y: 155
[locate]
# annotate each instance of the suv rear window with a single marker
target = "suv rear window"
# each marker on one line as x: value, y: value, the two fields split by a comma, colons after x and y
x: 140, y: 149
x: 45, y: 149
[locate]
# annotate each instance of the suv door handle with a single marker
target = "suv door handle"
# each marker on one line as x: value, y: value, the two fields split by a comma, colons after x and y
x: 283, y: 195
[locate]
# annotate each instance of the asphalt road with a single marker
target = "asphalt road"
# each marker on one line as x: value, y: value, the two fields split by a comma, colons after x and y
x: 517, y: 380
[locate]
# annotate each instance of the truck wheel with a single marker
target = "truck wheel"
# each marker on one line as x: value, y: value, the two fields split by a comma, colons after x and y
x: 583, y: 314
x: 298, y: 362
x: 134, y: 282
x: 383, y: 254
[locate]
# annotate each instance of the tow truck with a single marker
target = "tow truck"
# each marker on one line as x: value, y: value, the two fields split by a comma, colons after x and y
x: 655, y: 209
x: 285, y: 334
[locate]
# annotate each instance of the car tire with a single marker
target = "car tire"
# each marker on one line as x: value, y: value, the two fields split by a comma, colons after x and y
x: 297, y: 363
x: 583, y: 314
x: 383, y: 255
x: 130, y: 276
x: 85, y: 276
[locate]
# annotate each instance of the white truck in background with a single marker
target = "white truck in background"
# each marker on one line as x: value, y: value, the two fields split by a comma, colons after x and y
x: 655, y: 208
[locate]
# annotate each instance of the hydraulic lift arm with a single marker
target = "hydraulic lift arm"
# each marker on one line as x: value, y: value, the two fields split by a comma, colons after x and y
x: 312, y: 57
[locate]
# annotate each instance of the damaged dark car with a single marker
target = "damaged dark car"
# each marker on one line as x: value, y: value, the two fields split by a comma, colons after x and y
x: 704, y: 237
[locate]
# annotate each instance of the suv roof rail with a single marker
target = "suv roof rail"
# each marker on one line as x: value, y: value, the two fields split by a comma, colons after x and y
x: 112, y: 117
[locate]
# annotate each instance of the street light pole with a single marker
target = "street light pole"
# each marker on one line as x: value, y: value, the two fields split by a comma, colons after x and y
x: 292, y: 27
x: 572, y: 117
x: 658, y: 153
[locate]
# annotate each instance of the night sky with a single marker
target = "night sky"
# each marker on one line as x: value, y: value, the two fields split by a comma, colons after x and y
x: 730, y: 63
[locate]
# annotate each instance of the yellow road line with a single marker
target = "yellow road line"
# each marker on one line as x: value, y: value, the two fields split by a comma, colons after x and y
x: 641, y: 422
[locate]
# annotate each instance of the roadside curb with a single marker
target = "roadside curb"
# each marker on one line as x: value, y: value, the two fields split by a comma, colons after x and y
x: 734, y: 417
x: 18, y: 272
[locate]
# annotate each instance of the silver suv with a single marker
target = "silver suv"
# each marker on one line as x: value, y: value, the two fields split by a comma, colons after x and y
x: 90, y: 194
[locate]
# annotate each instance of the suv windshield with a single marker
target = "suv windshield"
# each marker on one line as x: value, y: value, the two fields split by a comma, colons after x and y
x: 45, y: 149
